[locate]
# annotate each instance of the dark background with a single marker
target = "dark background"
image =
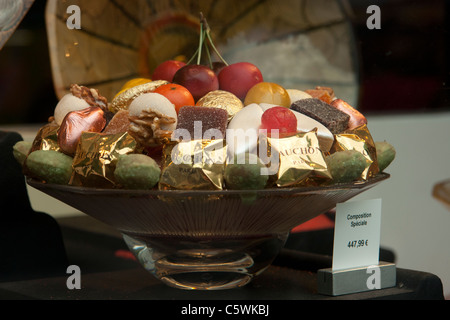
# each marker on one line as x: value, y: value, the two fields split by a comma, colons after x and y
x: 404, y: 66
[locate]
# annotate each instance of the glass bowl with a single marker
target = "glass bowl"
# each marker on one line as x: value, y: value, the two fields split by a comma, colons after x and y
x: 206, y: 240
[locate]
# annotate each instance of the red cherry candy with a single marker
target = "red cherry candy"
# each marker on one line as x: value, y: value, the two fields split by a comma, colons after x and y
x: 279, y: 118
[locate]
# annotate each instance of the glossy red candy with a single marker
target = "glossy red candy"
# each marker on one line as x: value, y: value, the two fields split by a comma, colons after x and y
x: 281, y: 119
x: 166, y: 70
x: 239, y: 78
x: 198, y: 79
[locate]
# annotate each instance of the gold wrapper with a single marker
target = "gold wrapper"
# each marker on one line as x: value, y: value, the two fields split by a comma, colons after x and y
x: 46, y: 138
x: 96, y: 158
x: 222, y: 100
x: 193, y: 165
x: 301, y: 161
x: 123, y: 99
x: 361, y: 140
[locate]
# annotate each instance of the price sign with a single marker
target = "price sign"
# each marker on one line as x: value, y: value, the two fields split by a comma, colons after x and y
x: 357, y: 234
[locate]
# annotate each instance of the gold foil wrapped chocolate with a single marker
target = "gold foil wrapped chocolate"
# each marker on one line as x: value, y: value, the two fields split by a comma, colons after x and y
x: 123, y: 99
x: 46, y: 138
x: 301, y: 161
x: 193, y: 165
x: 222, y: 100
x: 359, y: 139
x: 96, y: 157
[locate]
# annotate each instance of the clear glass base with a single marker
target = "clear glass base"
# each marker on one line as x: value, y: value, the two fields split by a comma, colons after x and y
x: 205, y: 263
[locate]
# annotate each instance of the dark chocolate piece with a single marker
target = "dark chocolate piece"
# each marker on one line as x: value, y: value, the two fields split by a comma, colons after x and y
x: 335, y: 120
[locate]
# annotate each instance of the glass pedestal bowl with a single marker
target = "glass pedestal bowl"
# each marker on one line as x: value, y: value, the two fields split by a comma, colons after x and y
x: 205, y: 240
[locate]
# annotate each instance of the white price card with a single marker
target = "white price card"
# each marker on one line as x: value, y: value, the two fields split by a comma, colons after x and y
x: 357, y: 234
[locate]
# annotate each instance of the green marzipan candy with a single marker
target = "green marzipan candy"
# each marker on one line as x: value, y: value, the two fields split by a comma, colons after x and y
x: 21, y: 150
x: 346, y: 166
x: 50, y: 166
x: 137, y: 171
x: 385, y: 154
x: 245, y: 176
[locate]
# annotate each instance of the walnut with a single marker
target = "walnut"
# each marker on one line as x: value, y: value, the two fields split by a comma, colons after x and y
x: 91, y: 96
x: 147, y: 128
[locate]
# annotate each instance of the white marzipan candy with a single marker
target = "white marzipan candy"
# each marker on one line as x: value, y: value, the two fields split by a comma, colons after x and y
x: 296, y: 95
x: 67, y: 104
x: 154, y: 102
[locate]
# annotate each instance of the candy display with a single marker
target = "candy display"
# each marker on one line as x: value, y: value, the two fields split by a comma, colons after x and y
x: 204, y: 125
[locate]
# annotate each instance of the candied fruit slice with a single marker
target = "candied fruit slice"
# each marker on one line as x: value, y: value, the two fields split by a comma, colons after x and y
x: 336, y: 121
x: 322, y: 93
x: 201, y: 123
x: 120, y: 122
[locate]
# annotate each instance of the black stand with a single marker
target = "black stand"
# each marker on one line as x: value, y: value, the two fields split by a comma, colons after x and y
x: 31, y: 244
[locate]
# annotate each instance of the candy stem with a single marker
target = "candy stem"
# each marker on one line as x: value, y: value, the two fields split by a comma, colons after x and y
x: 199, y: 56
x: 205, y: 36
x: 214, y: 48
x: 204, y: 22
x: 193, y: 57
x: 209, y: 57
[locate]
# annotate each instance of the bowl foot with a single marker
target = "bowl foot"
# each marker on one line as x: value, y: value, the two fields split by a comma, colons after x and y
x: 193, y: 263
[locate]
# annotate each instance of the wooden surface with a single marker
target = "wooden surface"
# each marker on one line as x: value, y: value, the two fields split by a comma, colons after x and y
x: 296, y: 43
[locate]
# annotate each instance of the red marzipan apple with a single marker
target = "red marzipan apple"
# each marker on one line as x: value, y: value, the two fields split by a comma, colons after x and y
x: 166, y: 70
x: 238, y: 78
x: 198, y: 79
